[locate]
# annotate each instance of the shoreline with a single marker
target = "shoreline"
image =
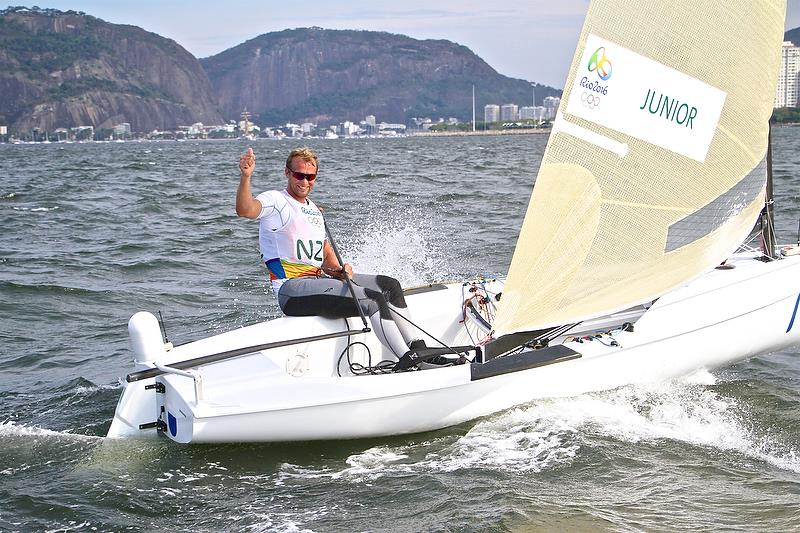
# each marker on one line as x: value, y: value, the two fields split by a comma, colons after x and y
x: 521, y: 131
x: 479, y: 133
x: 524, y: 131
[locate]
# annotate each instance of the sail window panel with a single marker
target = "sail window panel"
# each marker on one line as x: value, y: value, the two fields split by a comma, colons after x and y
x: 712, y: 215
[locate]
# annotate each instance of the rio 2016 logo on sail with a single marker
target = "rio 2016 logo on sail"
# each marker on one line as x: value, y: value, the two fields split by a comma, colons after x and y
x: 601, y: 65
x: 589, y: 100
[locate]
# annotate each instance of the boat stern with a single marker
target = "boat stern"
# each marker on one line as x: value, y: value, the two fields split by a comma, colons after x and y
x: 137, y: 405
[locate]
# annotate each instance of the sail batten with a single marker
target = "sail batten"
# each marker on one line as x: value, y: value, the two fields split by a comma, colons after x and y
x: 675, y: 208
x: 654, y: 171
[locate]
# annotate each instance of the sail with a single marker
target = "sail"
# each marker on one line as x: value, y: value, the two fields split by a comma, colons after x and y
x: 655, y: 168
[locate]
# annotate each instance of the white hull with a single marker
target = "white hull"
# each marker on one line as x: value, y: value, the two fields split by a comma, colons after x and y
x: 294, y: 393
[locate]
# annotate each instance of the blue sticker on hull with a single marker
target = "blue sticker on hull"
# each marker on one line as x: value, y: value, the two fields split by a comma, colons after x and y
x: 794, y: 314
x: 172, y: 423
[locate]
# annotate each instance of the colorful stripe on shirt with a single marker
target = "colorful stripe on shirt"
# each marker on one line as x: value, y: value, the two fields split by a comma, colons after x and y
x: 281, y: 269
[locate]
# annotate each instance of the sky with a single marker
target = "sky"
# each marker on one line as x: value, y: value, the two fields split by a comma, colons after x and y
x: 529, y: 39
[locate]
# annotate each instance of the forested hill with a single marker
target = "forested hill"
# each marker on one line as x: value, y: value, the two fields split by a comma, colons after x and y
x: 332, y: 75
x: 63, y: 69
x: 793, y: 36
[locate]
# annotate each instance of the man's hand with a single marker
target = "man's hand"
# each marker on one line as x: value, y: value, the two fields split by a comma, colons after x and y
x: 347, y: 269
x: 247, y: 163
x: 246, y: 205
x: 339, y: 272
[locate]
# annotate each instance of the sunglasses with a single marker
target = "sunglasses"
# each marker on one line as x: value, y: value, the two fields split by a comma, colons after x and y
x: 301, y: 176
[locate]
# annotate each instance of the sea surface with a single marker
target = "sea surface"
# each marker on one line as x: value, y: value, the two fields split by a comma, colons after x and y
x: 92, y: 233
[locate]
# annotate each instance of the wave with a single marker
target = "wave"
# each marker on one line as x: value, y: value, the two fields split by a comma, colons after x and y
x: 513, y: 442
x: 154, y: 264
x: 83, y: 387
x: 139, y: 165
x: 686, y: 411
x: 35, y: 209
x: 551, y: 434
x: 10, y: 428
x: 23, y: 288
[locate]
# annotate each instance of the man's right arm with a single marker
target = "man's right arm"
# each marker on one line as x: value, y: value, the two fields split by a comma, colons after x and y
x: 246, y: 205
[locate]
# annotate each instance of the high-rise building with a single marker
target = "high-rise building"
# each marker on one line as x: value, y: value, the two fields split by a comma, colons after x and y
x: 788, y: 90
x: 551, y: 104
x: 509, y: 112
x: 491, y: 113
x: 531, y: 113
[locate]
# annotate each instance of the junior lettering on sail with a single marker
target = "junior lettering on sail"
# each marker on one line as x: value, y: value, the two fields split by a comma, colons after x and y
x: 643, y: 98
x: 668, y: 108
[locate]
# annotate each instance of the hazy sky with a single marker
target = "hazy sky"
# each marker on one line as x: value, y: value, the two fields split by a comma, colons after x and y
x: 529, y: 39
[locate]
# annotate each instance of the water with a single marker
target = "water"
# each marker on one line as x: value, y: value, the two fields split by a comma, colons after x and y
x: 93, y: 233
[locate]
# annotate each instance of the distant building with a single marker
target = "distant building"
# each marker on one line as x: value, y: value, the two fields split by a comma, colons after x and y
x: 62, y: 134
x: 196, y: 129
x: 787, y: 93
x: 292, y: 130
x: 348, y: 128
x: 551, y: 104
x: 391, y: 129
x: 509, y: 112
x: 369, y: 125
x: 3, y: 130
x: 122, y: 130
x: 82, y: 133
x: 491, y: 113
x: 531, y: 113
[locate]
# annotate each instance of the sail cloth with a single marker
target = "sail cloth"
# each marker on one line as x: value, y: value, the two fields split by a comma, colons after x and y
x: 654, y: 172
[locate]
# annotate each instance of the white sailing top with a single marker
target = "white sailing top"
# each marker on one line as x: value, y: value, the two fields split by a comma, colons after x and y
x: 291, y: 237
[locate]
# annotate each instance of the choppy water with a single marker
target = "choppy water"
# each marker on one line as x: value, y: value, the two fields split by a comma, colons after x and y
x: 93, y: 233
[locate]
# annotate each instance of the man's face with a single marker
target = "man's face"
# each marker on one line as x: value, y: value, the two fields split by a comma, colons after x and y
x: 300, y: 188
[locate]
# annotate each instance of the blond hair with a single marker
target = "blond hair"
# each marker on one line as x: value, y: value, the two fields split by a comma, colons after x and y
x: 305, y: 153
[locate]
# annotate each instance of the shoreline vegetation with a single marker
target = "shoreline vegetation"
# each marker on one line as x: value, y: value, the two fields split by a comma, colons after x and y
x: 785, y: 115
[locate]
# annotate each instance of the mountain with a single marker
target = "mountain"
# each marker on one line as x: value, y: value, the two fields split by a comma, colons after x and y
x: 332, y: 75
x: 64, y: 69
x: 793, y: 35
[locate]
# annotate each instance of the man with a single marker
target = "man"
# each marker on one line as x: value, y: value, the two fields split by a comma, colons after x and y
x: 304, y: 271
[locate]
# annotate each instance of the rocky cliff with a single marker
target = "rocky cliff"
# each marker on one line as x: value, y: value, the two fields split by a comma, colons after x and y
x: 333, y: 75
x: 63, y: 69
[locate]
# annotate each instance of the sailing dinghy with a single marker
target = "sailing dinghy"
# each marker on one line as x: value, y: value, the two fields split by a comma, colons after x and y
x: 655, y: 173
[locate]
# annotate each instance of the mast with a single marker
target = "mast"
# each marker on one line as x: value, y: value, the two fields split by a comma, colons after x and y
x: 246, y: 117
x: 473, y: 108
x: 768, y: 213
